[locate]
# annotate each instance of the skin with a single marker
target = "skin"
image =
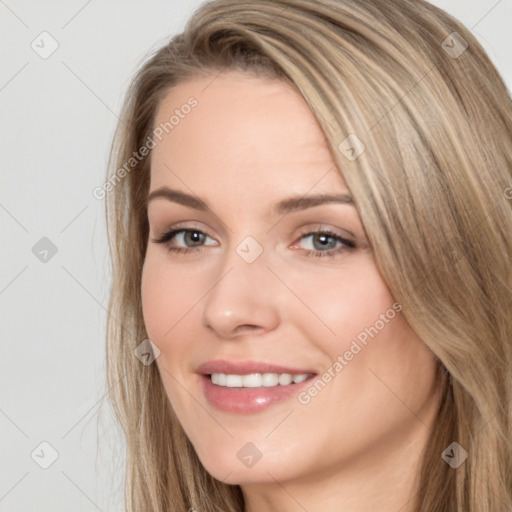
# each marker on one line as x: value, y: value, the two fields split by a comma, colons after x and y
x: 250, y: 142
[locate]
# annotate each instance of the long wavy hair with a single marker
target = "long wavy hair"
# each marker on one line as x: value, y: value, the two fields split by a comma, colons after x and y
x: 419, y: 123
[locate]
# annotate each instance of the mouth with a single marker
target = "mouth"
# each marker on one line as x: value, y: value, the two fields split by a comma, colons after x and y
x: 250, y: 387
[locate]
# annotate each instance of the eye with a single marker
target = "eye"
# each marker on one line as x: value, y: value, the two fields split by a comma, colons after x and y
x: 193, y: 236
x: 323, y: 243
x: 326, y: 243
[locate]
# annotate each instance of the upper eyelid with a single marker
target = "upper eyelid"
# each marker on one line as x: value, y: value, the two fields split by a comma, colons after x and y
x: 155, y: 219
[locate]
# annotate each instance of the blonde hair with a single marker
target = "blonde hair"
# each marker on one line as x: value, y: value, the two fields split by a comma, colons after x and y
x: 433, y: 188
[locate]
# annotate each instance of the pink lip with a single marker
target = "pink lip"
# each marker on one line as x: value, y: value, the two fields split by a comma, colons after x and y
x: 247, y: 400
x: 246, y: 367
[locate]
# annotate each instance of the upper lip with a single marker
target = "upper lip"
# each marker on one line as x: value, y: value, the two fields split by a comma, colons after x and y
x: 246, y: 367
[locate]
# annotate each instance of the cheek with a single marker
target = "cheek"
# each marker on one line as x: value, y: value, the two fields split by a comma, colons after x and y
x: 371, y: 350
x: 168, y: 300
x: 167, y: 296
x: 352, y: 315
x: 337, y: 307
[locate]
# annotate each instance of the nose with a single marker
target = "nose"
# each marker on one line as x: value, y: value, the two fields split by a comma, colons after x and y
x: 242, y: 299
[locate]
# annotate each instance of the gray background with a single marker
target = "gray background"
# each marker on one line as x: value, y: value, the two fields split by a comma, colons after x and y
x: 57, y: 120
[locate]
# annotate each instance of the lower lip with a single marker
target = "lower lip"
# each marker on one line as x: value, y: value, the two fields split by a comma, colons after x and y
x: 248, y: 400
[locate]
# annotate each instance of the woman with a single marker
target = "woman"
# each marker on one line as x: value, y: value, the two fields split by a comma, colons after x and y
x: 309, y: 213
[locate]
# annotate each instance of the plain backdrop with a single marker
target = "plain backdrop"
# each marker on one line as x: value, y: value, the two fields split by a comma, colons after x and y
x: 58, y: 114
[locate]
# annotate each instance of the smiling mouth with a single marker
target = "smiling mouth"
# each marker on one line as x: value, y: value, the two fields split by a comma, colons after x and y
x: 257, y: 380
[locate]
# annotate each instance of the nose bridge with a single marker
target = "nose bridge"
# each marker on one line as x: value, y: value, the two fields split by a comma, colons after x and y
x: 240, y: 295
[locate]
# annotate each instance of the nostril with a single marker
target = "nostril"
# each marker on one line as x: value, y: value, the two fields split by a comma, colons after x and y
x: 246, y: 328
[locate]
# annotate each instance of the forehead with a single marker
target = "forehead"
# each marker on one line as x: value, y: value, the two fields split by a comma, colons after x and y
x: 248, y: 133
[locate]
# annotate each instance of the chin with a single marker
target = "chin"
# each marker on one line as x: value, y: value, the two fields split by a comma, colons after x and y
x: 235, y: 466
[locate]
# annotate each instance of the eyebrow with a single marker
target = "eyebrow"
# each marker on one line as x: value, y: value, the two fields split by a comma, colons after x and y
x: 285, y: 206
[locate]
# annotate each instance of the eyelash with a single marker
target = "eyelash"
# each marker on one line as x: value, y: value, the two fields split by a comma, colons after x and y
x: 347, y: 244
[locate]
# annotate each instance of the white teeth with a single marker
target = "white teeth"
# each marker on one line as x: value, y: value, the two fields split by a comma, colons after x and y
x: 219, y: 379
x: 256, y: 380
x: 285, y: 379
x: 234, y: 381
x: 270, y: 379
x: 251, y: 380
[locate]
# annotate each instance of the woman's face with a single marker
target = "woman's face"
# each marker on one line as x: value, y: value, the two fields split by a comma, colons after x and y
x: 276, y: 285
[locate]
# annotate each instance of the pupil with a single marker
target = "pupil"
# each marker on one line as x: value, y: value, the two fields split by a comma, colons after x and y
x: 195, y: 236
x: 324, y: 240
